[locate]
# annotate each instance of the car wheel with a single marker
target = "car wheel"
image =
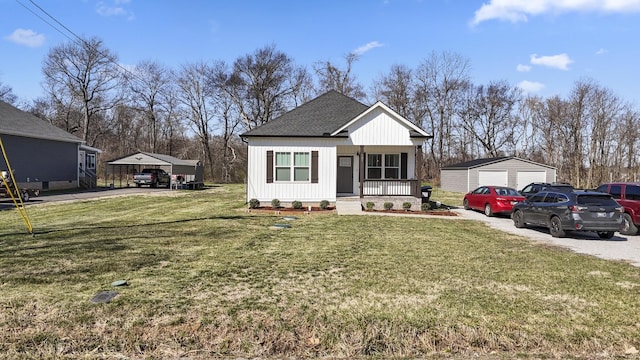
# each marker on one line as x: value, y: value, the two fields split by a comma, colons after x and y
x: 605, y: 234
x: 465, y: 204
x: 518, y: 219
x: 487, y: 210
x: 628, y: 227
x: 25, y: 196
x: 555, y: 227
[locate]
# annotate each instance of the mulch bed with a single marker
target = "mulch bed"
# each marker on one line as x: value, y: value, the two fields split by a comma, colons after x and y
x: 317, y: 210
x: 411, y: 212
x: 291, y: 211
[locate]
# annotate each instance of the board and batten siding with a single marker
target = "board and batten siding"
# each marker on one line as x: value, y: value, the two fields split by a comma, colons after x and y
x: 258, y: 188
x: 379, y: 128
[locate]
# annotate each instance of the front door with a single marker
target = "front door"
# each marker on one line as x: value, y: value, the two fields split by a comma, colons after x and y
x: 345, y: 175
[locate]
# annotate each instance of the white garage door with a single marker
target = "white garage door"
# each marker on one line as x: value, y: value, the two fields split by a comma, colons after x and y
x: 527, y: 177
x: 495, y: 178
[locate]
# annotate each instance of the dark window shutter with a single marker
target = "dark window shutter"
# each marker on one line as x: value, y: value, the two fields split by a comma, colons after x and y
x: 403, y: 165
x: 314, y: 167
x: 269, y: 166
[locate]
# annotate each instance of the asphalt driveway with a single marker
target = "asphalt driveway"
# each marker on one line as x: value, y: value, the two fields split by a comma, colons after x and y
x: 620, y: 247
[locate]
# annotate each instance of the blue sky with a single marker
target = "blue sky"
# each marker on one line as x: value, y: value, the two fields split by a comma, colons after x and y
x: 544, y: 46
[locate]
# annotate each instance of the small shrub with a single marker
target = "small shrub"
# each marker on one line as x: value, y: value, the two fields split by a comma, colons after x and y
x: 370, y: 205
x: 426, y: 207
x: 254, y: 203
x: 324, y: 204
x: 296, y: 204
x: 275, y: 203
x: 388, y: 205
x: 406, y: 205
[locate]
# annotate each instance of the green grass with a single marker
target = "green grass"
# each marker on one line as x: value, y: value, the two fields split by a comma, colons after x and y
x: 207, y: 279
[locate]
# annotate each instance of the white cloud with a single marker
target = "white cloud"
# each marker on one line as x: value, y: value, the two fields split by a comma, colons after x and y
x: 520, y: 10
x: 530, y: 86
x: 118, y: 8
x: 560, y: 61
x: 523, y: 68
x: 26, y: 37
x: 364, y: 48
x: 601, y: 51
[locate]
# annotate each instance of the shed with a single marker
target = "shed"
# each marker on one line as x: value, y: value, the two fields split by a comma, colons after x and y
x: 499, y: 171
x: 190, y: 170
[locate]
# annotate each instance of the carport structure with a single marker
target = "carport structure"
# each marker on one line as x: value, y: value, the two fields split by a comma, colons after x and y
x: 191, y: 171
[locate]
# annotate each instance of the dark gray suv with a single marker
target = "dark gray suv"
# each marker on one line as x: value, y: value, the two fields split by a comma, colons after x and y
x: 563, y: 211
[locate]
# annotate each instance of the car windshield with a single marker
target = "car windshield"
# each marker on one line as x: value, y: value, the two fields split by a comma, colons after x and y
x: 596, y: 200
x: 507, y: 192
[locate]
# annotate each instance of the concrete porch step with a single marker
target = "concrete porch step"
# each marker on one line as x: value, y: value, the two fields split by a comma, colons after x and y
x: 348, y: 207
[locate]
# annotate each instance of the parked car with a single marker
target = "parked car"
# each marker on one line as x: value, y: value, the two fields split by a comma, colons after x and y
x: 574, y: 210
x: 627, y: 195
x: 152, y: 177
x: 492, y: 199
x: 536, y: 187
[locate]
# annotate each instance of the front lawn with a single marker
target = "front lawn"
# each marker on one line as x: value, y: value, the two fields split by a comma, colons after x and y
x: 208, y: 279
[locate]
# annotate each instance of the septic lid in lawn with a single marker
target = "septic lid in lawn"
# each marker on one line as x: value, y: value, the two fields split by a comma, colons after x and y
x: 104, y: 296
x: 289, y: 218
x: 280, y: 226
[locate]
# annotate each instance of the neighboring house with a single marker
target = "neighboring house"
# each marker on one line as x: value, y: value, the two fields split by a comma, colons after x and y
x: 334, y: 146
x: 190, y: 172
x: 500, y: 171
x: 42, y: 155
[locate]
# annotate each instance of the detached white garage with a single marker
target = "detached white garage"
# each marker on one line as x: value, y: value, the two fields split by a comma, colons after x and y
x: 501, y: 171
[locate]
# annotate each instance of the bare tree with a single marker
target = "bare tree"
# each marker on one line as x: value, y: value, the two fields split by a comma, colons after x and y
x: 397, y: 89
x: 193, y: 82
x: 262, y: 85
x: 489, y: 116
x: 331, y: 77
x: 442, y: 80
x: 605, y: 108
x: 628, y: 132
x: 149, y: 82
x: 6, y: 94
x: 228, y: 116
x: 84, y: 75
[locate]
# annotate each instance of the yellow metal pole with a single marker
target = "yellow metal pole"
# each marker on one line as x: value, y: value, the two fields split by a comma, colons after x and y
x: 15, y: 191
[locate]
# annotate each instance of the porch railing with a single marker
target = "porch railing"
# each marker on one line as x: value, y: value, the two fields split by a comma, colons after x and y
x: 391, y: 187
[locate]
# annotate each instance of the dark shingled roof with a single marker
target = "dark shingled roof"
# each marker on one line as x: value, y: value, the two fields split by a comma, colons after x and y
x: 14, y: 121
x: 318, y: 117
x: 475, y: 163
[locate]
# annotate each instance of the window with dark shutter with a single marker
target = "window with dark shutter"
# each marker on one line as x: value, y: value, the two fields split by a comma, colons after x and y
x: 269, y: 166
x: 314, y: 167
x: 403, y: 165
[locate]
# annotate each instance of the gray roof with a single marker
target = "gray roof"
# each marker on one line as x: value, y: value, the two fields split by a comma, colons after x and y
x: 486, y: 161
x: 14, y: 121
x: 318, y: 117
x: 134, y: 159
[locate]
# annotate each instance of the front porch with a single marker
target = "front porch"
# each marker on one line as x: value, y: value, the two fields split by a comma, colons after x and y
x: 379, y: 187
x: 354, y: 204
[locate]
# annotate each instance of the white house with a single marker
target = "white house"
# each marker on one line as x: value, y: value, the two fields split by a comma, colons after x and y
x: 334, y: 146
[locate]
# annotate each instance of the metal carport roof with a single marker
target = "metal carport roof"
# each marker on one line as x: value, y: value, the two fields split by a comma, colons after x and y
x: 191, y: 168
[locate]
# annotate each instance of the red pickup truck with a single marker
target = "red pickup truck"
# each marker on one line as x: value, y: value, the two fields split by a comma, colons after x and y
x: 627, y: 195
x: 152, y: 177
